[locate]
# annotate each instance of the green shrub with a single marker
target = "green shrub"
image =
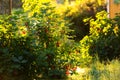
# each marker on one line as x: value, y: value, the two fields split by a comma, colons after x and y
x: 15, y: 45
x: 53, y: 46
x: 103, y: 39
x: 37, y: 45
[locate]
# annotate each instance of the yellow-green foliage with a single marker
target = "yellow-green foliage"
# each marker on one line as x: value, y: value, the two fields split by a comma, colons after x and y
x: 33, y: 6
x: 76, y: 11
x: 103, y: 38
x: 78, y: 6
x: 41, y: 43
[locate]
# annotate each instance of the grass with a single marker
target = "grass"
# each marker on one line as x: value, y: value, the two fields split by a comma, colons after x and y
x: 99, y: 71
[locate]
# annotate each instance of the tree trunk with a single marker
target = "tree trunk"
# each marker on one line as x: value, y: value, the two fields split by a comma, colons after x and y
x: 5, y: 6
x: 10, y: 6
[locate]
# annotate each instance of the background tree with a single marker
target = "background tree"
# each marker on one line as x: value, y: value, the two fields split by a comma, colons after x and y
x: 17, y: 3
x: 4, y: 7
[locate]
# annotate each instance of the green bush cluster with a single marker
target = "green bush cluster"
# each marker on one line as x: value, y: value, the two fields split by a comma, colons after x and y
x: 37, y: 45
x: 16, y: 48
x: 103, y: 39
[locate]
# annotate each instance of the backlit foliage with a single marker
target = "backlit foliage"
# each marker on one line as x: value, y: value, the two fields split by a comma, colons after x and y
x: 103, y: 38
x: 38, y: 44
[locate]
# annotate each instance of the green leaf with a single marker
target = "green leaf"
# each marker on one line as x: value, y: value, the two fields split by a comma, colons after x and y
x: 15, y: 59
x: 24, y: 61
x: 20, y: 57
